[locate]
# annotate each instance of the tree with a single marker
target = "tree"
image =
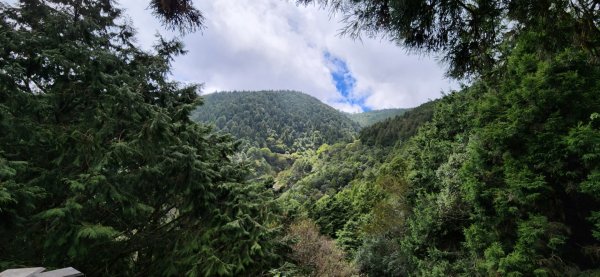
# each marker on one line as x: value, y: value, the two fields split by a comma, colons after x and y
x: 101, y: 167
x: 503, y: 180
x: 317, y: 254
x: 469, y: 35
x: 178, y: 14
x: 283, y: 121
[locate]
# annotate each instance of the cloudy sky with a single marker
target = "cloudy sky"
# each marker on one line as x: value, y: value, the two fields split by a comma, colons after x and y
x: 276, y: 44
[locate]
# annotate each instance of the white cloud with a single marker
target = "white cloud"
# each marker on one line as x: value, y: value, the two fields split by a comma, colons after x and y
x: 346, y: 107
x: 275, y: 44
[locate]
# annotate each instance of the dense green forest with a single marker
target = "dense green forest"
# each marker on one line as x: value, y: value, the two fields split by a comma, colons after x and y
x: 103, y: 167
x: 283, y: 121
x: 399, y: 128
x: 368, y: 118
x: 277, y: 127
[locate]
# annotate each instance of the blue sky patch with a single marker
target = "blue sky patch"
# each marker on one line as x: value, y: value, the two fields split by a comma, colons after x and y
x: 344, y: 81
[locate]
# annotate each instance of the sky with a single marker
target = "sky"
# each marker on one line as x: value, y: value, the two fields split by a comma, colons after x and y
x: 276, y: 44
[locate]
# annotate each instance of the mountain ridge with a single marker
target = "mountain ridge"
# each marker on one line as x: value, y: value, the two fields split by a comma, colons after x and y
x: 282, y: 120
x: 368, y: 118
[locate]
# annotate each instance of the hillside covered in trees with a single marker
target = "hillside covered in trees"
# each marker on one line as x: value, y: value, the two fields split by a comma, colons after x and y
x: 369, y: 118
x: 283, y: 121
x: 399, y: 128
x: 107, y: 164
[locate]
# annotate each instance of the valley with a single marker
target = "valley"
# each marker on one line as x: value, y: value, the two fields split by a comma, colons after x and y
x: 115, y: 162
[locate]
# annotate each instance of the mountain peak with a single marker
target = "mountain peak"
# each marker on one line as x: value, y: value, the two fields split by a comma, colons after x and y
x: 283, y: 121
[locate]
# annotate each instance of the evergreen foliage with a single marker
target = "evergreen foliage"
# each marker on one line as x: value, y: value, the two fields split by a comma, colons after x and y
x: 496, y: 185
x: 283, y: 121
x: 393, y: 130
x: 103, y: 168
x: 100, y: 166
x: 470, y: 36
x: 178, y: 14
x: 503, y: 180
x: 336, y: 187
x: 366, y: 119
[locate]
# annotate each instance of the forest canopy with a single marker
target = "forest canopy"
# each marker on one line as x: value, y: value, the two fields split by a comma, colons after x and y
x: 103, y: 166
x: 283, y: 121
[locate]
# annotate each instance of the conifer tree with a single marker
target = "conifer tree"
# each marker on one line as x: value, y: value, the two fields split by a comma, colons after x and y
x: 470, y: 35
x: 100, y: 166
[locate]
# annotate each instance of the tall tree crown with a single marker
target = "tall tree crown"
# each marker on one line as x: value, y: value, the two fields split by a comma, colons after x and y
x: 101, y: 167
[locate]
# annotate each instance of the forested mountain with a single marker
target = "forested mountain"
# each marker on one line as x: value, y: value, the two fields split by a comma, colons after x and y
x: 504, y: 179
x: 369, y: 118
x: 103, y: 168
x: 283, y: 121
x: 398, y: 128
